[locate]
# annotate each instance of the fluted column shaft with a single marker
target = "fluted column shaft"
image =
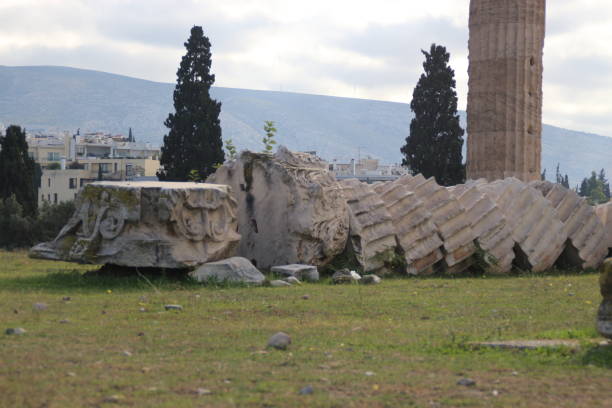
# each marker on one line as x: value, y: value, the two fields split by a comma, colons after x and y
x: 505, y: 89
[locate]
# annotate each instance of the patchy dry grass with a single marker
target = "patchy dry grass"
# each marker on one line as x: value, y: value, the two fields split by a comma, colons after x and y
x: 410, y: 334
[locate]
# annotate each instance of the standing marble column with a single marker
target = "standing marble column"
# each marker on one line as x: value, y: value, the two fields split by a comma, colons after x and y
x: 505, y: 89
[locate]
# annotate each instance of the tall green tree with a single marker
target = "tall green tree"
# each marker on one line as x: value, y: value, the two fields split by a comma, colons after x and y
x: 194, y: 139
x: 561, y: 179
x: 433, y: 147
x: 595, y: 188
x: 18, y: 170
x: 605, y: 183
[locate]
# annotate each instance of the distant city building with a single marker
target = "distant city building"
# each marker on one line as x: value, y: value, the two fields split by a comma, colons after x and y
x: 71, y: 161
x: 366, y: 167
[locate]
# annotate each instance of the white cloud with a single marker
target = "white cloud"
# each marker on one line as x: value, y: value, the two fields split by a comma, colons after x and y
x: 352, y: 48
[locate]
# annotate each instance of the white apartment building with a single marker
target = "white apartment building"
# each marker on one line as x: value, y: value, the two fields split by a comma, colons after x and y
x: 71, y: 161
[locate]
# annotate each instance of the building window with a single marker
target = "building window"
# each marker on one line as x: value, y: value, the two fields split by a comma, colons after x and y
x: 73, y: 183
x: 49, y: 182
x: 53, y: 156
x: 115, y: 167
x: 54, y: 198
x: 49, y: 197
x: 105, y: 167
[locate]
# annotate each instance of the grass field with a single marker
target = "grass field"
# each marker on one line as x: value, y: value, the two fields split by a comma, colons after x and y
x: 399, y: 344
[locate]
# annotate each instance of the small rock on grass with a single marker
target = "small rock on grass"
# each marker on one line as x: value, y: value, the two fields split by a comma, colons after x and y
x: 308, y: 390
x: 64, y: 321
x: 203, y: 391
x: 279, y: 283
x: 66, y: 298
x: 173, y: 307
x: 292, y: 280
x: 279, y: 341
x: 15, y: 331
x: 40, y: 306
x: 113, y: 399
x: 345, y: 276
x: 302, y: 272
x: 370, y: 280
x: 466, y: 382
x: 306, y: 297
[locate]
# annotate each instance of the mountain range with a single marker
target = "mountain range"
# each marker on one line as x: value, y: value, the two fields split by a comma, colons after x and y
x: 50, y: 98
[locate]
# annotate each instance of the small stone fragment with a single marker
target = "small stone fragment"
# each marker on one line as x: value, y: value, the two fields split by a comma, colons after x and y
x: 279, y: 341
x: 466, y: 382
x: 142, y: 309
x: 345, y: 276
x: 306, y: 297
x: 66, y: 299
x: 15, y: 331
x: 370, y: 280
x: 307, y: 273
x: 126, y: 353
x: 64, y: 321
x: 40, y: 306
x: 113, y: 399
x: 292, y: 280
x: 173, y: 307
x: 279, y: 283
x: 308, y: 390
x: 235, y: 270
x: 203, y: 391
x: 369, y: 373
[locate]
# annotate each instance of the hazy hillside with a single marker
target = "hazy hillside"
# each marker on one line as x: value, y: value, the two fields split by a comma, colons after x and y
x: 60, y: 98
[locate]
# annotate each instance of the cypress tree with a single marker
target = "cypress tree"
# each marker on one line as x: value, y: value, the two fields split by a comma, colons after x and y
x: 18, y: 170
x: 433, y: 147
x: 194, y: 140
x: 605, y: 183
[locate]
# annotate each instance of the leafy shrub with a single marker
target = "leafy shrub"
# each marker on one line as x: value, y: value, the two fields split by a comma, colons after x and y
x: 51, y: 219
x: 15, y: 228
x: 20, y: 231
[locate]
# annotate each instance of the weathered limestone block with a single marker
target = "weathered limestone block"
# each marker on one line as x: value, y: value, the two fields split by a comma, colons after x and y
x: 504, y: 111
x: 291, y: 210
x: 538, y: 233
x: 233, y: 270
x: 147, y: 224
x: 415, y: 231
x: 372, y: 236
x: 604, y: 212
x: 604, y: 316
x: 587, y: 247
x: 489, y: 226
x: 449, y: 217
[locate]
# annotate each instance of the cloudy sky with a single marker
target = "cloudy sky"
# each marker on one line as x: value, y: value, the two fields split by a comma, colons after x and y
x: 352, y: 48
